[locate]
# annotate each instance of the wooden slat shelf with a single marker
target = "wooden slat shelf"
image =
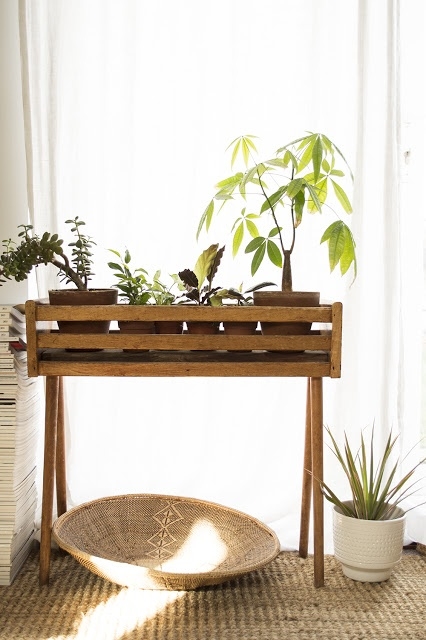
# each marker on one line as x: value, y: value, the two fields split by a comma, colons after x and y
x: 55, y: 354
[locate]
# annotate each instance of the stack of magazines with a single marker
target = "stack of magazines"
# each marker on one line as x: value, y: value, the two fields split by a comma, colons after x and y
x: 19, y: 425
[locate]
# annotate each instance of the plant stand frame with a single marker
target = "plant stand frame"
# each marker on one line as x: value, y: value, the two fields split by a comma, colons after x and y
x: 313, y: 356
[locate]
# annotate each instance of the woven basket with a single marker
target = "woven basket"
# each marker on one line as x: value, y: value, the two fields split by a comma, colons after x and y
x: 164, y: 542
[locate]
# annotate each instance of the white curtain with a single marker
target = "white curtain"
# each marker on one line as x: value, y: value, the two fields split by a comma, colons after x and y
x: 129, y: 107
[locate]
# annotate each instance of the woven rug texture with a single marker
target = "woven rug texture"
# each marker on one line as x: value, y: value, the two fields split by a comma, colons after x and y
x: 278, y: 602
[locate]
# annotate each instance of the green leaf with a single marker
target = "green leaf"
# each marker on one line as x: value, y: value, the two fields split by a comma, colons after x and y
x: 299, y: 203
x: 206, y: 218
x: 254, y: 244
x: 274, y: 253
x: 316, y: 203
x: 273, y: 199
x: 335, y: 235
x: 257, y: 259
x: 317, y: 153
x: 294, y: 187
x: 342, y: 197
x: 252, y: 228
x: 235, y: 151
x: 237, y: 239
x: 205, y: 263
x: 306, y: 156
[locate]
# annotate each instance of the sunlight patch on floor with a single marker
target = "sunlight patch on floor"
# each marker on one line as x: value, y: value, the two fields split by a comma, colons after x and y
x: 122, y: 613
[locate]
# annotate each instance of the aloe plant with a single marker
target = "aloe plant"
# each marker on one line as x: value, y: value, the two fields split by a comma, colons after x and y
x: 375, y: 491
x: 304, y: 177
x: 19, y: 258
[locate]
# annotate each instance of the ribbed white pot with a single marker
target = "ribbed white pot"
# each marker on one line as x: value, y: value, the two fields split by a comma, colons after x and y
x: 368, y: 549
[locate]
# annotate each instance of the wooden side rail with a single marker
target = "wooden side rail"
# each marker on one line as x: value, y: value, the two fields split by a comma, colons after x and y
x: 54, y: 354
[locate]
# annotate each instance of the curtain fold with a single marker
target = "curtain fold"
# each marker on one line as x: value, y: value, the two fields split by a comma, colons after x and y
x: 130, y: 107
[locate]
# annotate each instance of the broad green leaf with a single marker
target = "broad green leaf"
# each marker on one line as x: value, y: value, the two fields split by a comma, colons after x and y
x: 325, y: 165
x: 273, y: 199
x: 252, y: 228
x: 306, y: 156
x: 335, y: 235
x: 237, y: 239
x: 348, y: 256
x: 229, y: 184
x: 314, y: 197
x: 205, y: 263
x: 235, y: 151
x: 274, y: 254
x: 337, y: 172
x: 342, y: 197
x: 254, y: 244
x: 206, y: 218
x: 274, y: 232
x: 257, y: 259
x: 299, y: 203
x: 317, y: 153
x: 294, y: 186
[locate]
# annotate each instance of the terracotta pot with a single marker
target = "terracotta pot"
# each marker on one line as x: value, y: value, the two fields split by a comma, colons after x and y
x: 240, y: 329
x: 168, y: 327
x: 75, y: 297
x: 141, y: 327
x: 203, y: 328
x: 286, y: 299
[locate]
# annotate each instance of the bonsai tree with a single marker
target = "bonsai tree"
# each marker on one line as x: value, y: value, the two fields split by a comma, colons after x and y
x: 303, y: 177
x: 18, y: 258
x: 197, y: 283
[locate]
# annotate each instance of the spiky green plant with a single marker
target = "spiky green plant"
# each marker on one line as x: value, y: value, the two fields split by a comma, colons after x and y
x: 375, y: 491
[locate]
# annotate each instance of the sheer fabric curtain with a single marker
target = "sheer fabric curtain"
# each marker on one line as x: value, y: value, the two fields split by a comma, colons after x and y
x: 129, y: 109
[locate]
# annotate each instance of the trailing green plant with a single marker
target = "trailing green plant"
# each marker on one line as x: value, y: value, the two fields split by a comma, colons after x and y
x: 237, y: 295
x: 133, y: 285
x: 197, y: 283
x: 19, y: 258
x: 303, y: 177
x: 161, y: 293
x: 375, y: 491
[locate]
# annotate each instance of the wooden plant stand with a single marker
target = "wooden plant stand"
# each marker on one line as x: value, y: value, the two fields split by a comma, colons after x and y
x: 313, y: 356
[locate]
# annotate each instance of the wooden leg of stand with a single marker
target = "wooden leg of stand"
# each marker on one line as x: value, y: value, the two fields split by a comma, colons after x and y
x: 61, y: 481
x: 307, y: 480
x: 317, y: 471
x: 51, y: 417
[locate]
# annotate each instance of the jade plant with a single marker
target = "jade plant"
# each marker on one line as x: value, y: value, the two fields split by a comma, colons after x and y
x: 274, y: 195
x: 19, y: 258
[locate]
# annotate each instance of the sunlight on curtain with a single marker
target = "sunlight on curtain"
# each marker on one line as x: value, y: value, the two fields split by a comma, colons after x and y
x: 130, y: 107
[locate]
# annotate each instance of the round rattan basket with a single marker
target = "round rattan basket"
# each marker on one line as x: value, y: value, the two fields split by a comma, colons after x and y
x: 164, y: 542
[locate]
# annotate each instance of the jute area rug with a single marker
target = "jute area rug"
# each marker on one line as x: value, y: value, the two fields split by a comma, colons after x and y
x: 278, y: 602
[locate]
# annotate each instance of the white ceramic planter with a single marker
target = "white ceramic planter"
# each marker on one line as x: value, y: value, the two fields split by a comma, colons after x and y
x: 368, y: 549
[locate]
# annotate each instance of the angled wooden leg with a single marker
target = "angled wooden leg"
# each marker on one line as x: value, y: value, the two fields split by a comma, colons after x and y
x: 307, y: 480
x: 61, y: 480
x: 317, y: 472
x: 50, y: 432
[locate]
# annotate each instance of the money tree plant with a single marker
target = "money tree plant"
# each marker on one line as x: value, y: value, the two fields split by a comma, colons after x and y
x: 271, y: 198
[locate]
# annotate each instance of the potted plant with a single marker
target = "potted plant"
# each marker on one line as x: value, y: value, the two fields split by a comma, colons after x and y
x: 134, y: 289
x: 19, y: 258
x: 303, y: 177
x: 197, y: 285
x: 241, y: 299
x: 368, y: 529
x: 162, y: 294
